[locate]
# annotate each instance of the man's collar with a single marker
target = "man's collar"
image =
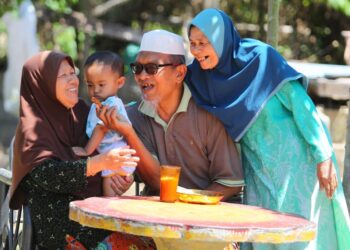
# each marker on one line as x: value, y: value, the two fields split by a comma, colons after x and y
x: 149, y: 109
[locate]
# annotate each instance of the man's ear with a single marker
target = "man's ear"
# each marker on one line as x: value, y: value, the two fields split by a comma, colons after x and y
x: 121, y: 81
x: 181, y: 72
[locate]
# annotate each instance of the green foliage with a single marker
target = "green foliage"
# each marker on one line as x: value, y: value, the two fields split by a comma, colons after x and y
x: 316, y: 27
x: 64, y: 39
x: 316, y: 24
x: 285, y: 50
x: 7, y: 5
x: 2, y: 40
x: 156, y: 25
x: 63, y: 6
x: 341, y: 5
x: 80, y: 38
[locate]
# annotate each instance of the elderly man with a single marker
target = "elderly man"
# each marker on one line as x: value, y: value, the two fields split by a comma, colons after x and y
x: 169, y: 128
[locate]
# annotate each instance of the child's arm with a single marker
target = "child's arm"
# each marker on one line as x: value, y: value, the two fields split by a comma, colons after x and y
x: 95, y: 140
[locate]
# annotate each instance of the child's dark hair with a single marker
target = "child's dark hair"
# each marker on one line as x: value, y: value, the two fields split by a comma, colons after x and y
x: 106, y: 58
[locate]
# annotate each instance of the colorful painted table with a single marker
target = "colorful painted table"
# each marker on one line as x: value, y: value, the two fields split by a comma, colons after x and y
x: 190, y: 226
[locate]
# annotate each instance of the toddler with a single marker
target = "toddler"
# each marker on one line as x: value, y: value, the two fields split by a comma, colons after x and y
x: 104, y: 76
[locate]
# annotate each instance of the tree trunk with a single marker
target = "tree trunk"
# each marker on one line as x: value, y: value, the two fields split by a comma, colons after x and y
x: 261, y: 21
x: 272, y: 22
x: 211, y: 4
x: 346, y: 175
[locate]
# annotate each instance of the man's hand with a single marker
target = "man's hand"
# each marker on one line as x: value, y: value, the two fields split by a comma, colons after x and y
x: 327, y: 177
x: 228, y: 192
x: 120, y: 184
x: 112, y: 120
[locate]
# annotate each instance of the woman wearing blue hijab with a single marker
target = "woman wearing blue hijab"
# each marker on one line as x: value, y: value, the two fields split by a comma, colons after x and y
x: 287, y: 156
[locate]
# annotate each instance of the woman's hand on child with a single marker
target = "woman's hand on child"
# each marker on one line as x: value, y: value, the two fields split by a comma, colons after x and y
x: 112, y: 160
x: 327, y: 177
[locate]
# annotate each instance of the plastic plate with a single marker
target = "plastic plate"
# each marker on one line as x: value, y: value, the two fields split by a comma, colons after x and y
x: 199, y: 196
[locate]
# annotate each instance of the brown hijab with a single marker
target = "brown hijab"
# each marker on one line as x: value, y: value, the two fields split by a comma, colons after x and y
x: 46, y: 128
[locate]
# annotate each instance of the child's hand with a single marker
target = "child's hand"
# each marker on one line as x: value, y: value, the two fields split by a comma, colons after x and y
x: 79, y: 151
x: 97, y: 102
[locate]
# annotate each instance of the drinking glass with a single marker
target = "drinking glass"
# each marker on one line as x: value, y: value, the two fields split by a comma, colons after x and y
x: 169, y: 179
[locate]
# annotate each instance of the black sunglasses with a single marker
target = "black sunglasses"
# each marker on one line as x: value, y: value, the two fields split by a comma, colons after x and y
x: 150, y: 68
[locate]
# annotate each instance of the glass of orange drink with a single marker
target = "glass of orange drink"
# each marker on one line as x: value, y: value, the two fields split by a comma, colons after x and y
x: 169, y: 179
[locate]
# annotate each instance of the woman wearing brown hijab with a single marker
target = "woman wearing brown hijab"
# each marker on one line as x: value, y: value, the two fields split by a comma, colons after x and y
x: 46, y: 173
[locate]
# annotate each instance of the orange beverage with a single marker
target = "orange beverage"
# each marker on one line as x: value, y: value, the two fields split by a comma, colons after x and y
x: 169, y: 179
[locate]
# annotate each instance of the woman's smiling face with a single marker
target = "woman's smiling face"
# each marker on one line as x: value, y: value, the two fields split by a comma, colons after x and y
x: 67, y: 84
x: 202, y: 49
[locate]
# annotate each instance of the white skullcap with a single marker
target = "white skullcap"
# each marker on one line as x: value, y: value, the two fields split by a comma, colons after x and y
x: 162, y: 41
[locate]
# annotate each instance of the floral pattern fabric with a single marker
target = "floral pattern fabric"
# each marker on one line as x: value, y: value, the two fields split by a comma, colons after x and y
x: 49, y: 187
x: 115, y: 241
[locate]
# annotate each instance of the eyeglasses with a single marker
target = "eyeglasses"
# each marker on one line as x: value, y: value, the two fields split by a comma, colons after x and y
x: 150, y: 68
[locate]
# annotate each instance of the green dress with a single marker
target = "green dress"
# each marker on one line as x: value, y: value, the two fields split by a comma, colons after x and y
x: 280, y: 152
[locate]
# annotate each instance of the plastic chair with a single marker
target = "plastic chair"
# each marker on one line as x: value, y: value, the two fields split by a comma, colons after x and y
x: 15, y: 225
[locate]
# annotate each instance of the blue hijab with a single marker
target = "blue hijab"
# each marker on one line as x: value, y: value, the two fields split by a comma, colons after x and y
x: 248, y: 73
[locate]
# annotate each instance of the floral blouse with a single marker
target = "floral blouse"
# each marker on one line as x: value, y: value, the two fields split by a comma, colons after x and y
x: 50, y: 187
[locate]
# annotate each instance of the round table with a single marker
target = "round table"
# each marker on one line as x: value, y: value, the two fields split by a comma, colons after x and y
x: 190, y: 226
